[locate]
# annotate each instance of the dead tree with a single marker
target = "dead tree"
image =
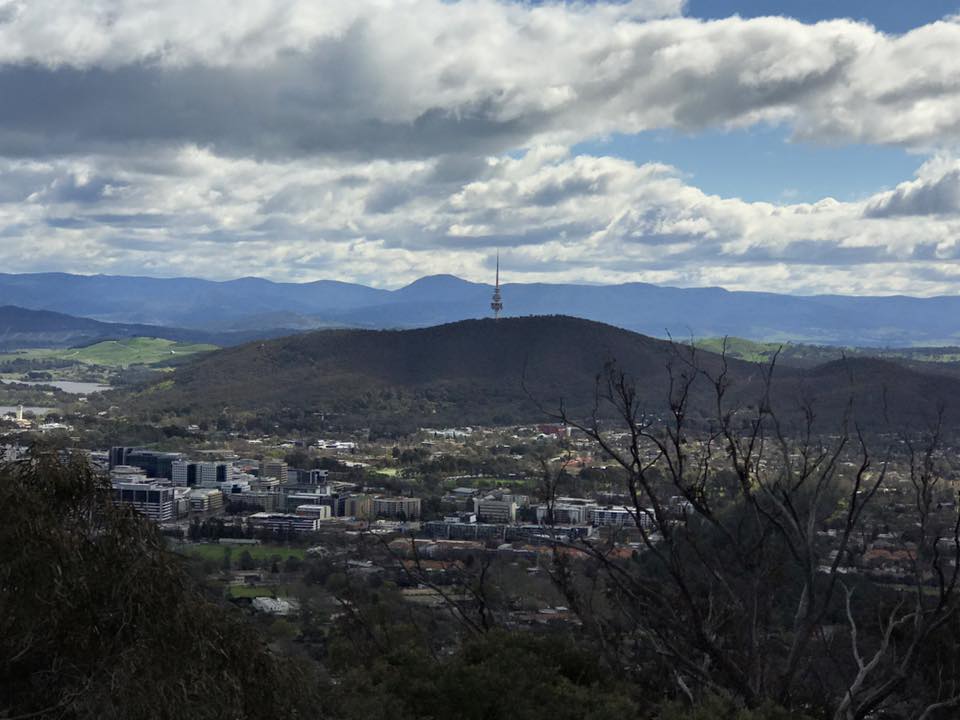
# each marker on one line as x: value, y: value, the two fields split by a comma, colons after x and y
x: 738, y: 588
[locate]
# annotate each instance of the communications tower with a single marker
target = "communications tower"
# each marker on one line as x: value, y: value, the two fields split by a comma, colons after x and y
x: 497, y: 303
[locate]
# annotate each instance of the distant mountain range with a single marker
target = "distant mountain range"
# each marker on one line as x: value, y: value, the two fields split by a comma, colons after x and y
x: 503, y: 372
x: 252, y: 304
x: 22, y: 328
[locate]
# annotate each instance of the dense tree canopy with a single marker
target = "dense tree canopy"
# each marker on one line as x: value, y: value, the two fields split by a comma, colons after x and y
x: 98, y: 620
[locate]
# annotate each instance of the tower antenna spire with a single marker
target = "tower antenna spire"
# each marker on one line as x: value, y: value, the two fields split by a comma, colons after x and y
x: 497, y: 303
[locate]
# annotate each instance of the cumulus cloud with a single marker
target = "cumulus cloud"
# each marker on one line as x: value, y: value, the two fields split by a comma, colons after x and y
x: 935, y: 191
x: 420, y: 78
x: 298, y: 140
x: 175, y: 33
x: 606, y: 220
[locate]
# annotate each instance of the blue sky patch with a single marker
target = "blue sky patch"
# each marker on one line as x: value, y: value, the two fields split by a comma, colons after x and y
x: 762, y: 163
x: 890, y: 16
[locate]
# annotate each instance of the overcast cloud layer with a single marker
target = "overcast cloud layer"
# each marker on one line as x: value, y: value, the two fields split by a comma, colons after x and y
x: 384, y: 140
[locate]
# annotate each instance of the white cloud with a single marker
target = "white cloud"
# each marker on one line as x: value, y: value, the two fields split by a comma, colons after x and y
x: 555, y: 217
x: 176, y: 33
x: 935, y: 191
x: 427, y: 77
x: 380, y: 140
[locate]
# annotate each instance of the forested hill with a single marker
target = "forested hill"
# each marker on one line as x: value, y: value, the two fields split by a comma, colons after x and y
x: 497, y: 372
x: 23, y: 328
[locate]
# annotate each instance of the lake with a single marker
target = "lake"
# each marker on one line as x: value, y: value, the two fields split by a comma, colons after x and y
x: 67, y: 386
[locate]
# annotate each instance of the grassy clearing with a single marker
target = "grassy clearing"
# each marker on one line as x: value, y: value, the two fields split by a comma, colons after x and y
x: 116, y: 353
x: 214, y: 551
x: 741, y: 349
x: 137, y: 351
x: 483, y: 483
x: 255, y: 591
x: 388, y: 471
x: 763, y: 352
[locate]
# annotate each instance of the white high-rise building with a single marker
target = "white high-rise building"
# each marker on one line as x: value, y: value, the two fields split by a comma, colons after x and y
x: 180, y: 473
x: 152, y: 499
x: 206, y: 473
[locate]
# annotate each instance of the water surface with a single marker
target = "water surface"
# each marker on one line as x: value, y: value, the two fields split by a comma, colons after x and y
x: 67, y: 386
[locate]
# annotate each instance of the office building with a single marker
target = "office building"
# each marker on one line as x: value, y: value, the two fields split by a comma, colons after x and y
x: 118, y: 456
x: 283, y: 523
x: 151, y: 499
x: 295, y: 499
x: 610, y: 516
x: 355, y: 506
x: 208, y: 474
x: 205, y: 500
x: 154, y: 464
x: 397, y: 508
x: 275, y: 469
x: 128, y: 473
x: 563, y: 514
x: 494, y: 510
x: 255, y: 500
x: 320, y: 512
x: 183, y: 474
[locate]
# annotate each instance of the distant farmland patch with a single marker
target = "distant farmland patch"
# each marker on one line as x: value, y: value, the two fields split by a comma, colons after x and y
x: 117, y: 353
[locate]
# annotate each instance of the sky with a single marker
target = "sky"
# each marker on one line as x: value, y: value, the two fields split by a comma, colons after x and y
x: 798, y: 146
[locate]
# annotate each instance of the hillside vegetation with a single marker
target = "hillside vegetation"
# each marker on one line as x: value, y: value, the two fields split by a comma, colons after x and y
x: 468, y: 372
x: 501, y: 372
x: 24, y: 328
